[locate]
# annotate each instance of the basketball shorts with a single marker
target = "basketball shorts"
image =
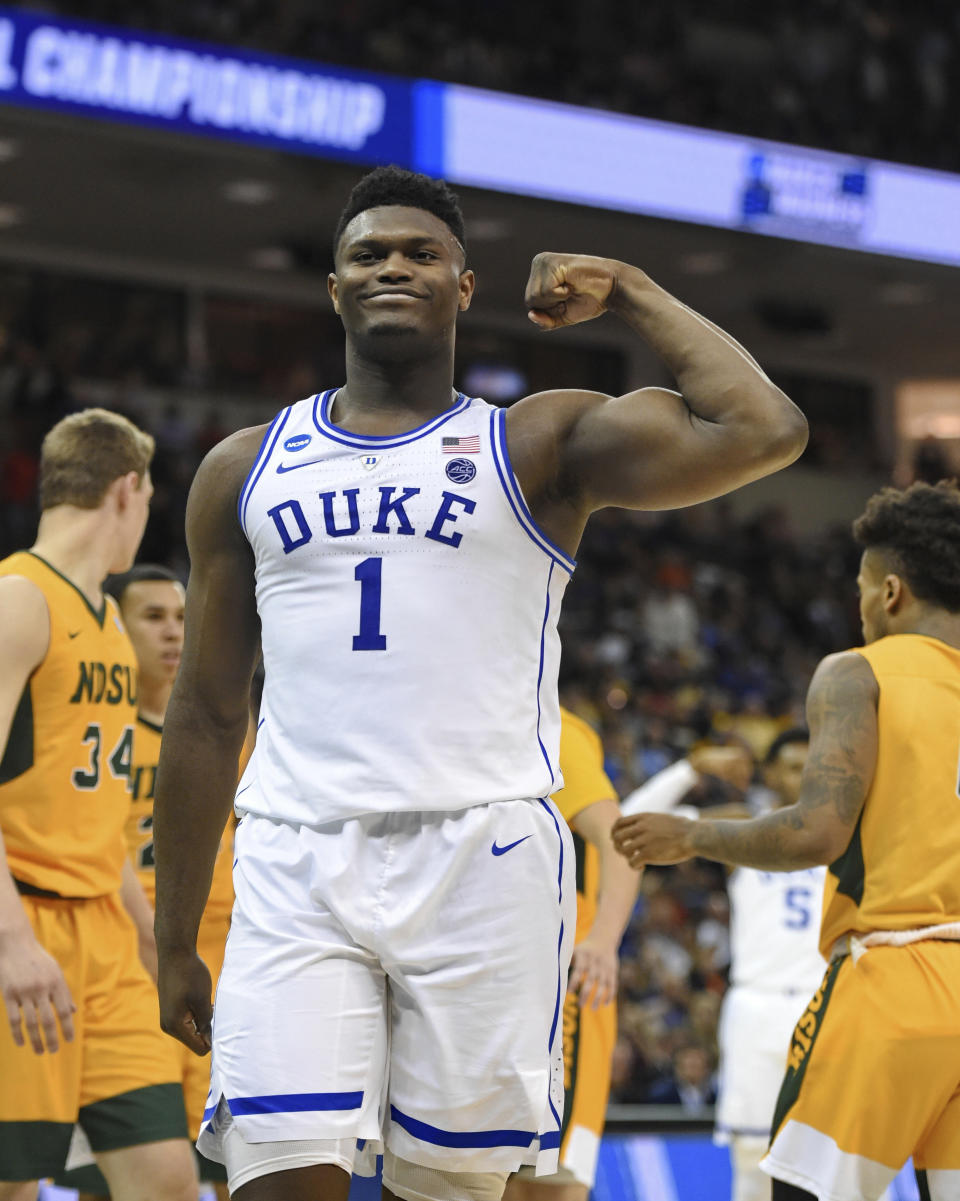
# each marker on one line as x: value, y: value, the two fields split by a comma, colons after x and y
x: 873, y: 1077
x: 397, y: 979
x: 754, y: 1035
x: 81, y: 1171
x: 119, y: 1078
x: 588, y: 1039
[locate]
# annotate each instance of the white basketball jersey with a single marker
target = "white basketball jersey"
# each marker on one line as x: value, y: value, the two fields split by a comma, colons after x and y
x: 409, y: 610
x: 774, y: 929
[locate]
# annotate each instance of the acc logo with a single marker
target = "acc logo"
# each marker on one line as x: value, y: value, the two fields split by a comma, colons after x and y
x: 297, y: 443
x: 461, y: 471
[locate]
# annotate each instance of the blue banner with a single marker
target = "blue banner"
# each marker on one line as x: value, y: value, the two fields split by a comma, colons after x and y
x: 187, y: 87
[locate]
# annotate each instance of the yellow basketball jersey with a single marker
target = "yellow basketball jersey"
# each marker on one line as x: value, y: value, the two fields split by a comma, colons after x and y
x: 585, y: 783
x: 901, y: 870
x: 65, y: 771
x: 143, y: 781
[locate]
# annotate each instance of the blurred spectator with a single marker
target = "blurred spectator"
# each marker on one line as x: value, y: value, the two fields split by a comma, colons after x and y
x: 692, y: 1082
x: 867, y: 77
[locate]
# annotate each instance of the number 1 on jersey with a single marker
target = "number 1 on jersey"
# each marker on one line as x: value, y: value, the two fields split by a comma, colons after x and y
x: 369, y: 573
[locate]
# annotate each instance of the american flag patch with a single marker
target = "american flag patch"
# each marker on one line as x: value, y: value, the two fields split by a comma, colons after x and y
x: 470, y: 445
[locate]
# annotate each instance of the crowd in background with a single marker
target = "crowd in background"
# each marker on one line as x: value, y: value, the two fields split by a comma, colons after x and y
x: 678, y: 629
x: 868, y: 77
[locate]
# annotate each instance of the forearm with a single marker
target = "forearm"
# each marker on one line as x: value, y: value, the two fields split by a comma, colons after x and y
x: 13, y: 917
x: 196, y: 783
x: 136, y: 904
x: 779, y: 841
x: 719, y: 381
x: 619, y: 885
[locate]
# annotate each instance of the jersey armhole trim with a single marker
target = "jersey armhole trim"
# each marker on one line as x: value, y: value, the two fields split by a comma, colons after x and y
x: 267, y: 447
x: 508, y: 481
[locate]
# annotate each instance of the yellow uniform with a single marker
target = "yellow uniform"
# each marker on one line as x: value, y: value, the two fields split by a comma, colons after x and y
x: 63, y: 804
x: 212, y: 935
x: 873, y: 1072
x: 588, y: 1034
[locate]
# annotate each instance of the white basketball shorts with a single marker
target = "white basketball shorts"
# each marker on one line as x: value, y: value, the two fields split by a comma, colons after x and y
x: 399, y: 979
x: 754, y: 1035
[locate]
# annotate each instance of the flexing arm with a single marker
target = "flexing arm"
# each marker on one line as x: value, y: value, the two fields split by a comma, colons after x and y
x: 593, y: 969
x: 35, y: 993
x: 203, y: 731
x: 842, y: 715
x: 653, y: 448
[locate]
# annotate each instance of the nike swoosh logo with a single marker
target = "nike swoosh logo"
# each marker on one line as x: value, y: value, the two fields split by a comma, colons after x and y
x: 282, y: 467
x: 76, y: 635
x: 510, y: 845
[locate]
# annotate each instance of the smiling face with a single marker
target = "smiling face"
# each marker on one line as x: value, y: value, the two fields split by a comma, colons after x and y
x: 399, y: 279
x: 153, y: 614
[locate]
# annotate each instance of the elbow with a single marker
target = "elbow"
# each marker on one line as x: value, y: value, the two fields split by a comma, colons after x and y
x: 788, y: 433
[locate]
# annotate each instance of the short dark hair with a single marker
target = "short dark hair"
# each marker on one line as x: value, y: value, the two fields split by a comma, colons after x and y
x: 394, y: 185
x: 919, y: 529
x: 785, y: 738
x: 140, y: 573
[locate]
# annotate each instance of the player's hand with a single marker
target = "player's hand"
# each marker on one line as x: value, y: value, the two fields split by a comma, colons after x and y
x: 35, y: 993
x: 734, y: 764
x: 564, y: 289
x: 186, y: 1011
x: 654, y: 838
x: 593, y: 973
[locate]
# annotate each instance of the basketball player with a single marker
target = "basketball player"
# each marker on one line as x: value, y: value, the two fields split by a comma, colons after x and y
x: 775, y: 964
x: 81, y: 1040
x: 606, y: 892
x: 151, y: 598
x: 402, y: 549
x: 873, y: 1073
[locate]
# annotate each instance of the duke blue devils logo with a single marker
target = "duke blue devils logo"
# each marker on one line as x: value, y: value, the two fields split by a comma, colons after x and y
x: 369, y: 461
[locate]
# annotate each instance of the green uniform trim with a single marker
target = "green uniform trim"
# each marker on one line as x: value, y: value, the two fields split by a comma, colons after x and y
x: 32, y: 1150
x: 98, y: 617
x: 209, y: 1169
x: 923, y: 1186
x: 580, y: 860
x: 802, y: 1044
x: 18, y: 756
x: 143, y: 1115
x: 849, y: 868
x: 571, y: 1067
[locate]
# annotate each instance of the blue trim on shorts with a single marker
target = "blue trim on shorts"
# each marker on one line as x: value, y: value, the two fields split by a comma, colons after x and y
x: 461, y: 1138
x: 556, y: 1010
x: 293, y: 1103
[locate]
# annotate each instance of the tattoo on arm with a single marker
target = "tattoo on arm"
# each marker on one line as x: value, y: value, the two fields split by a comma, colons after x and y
x: 842, y: 715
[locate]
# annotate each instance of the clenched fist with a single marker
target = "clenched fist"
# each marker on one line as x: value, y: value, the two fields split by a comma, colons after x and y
x: 654, y: 838
x: 564, y: 289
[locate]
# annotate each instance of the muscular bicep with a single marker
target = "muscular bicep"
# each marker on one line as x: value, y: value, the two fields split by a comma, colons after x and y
x: 649, y: 450
x: 842, y: 716
x: 221, y: 626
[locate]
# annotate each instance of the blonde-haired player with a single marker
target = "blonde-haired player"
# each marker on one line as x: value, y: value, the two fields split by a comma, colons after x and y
x: 606, y: 892
x: 151, y: 600
x: 873, y: 1072
x: 81, y: 1042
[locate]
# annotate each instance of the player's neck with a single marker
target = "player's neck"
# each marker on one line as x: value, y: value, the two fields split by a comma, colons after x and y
x: 153, y: 697
x: 391, y: 397
x: 935, y: 623
x: 76, y: 543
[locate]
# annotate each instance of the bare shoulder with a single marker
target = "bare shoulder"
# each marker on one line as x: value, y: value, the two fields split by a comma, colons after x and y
x: 842, y: 684
x: 212, y: 504
x: 25, y: 629
x: 551, y: 413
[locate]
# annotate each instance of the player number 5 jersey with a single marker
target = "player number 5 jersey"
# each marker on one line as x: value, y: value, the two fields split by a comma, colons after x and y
x: 409, y: 605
